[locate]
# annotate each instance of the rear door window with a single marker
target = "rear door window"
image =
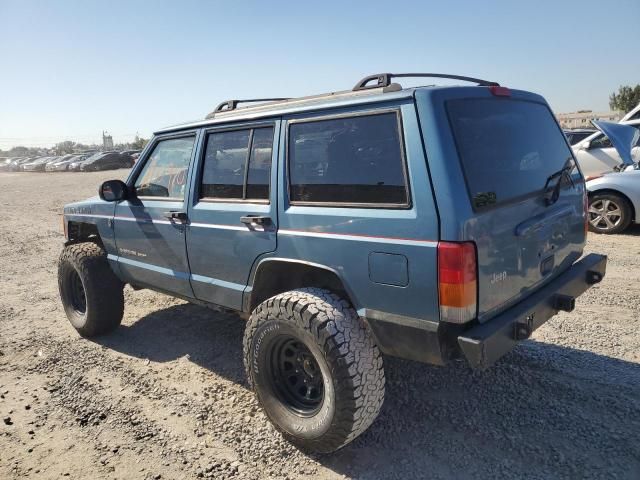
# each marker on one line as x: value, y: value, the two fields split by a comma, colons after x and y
x: 224, y: 164
x: 356, y: 161
x: 237, y: 164
x: 508, y: 148
x: 259, y: 172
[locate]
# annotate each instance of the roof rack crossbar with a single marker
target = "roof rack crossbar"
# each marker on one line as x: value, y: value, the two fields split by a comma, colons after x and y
x: 384, y: 79
x: 233, y: 104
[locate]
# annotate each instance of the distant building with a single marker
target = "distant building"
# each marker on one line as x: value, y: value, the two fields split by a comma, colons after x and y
x: 582, y: 118
x: 107, y: 141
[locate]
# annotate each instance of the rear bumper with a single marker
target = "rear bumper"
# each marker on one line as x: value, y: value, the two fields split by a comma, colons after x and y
x: 484, y: 344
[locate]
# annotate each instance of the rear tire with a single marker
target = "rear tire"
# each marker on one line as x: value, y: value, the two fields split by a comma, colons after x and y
x: 91, y: 294
x: 609, y: 213
x: 314, y: 367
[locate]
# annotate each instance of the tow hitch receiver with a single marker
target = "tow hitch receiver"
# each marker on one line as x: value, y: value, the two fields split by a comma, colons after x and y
x: 566, y: 303
x: 594, y: 277
x: 522, y: 329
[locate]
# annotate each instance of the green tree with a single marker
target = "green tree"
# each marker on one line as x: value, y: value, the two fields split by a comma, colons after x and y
x: 19, y: 151
x: 139, y: 143
x: 626, y: 98
x: 65, y: 147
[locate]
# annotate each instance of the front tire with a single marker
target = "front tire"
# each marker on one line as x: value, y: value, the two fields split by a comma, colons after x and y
x: 314, y: 367
x: 91, y: 294
x: 609, y: 213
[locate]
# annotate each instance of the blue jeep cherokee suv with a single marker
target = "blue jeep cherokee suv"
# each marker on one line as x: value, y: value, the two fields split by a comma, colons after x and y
x: 428, y: 223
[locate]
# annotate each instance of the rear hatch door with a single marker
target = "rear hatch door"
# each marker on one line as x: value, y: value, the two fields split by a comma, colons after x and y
x: 526, y: 230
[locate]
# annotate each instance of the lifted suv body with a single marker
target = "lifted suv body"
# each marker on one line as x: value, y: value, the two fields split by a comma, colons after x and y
x: 426, y: 223
x: 382, y: 256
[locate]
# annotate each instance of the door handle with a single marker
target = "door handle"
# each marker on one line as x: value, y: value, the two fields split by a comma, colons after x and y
x: 176, y: 216
x: 253, y: 220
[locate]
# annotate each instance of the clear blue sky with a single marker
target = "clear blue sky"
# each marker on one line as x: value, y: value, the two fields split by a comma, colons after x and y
x: 69, y: 69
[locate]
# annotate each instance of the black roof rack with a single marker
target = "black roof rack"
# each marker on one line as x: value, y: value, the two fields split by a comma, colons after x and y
x: 233, y: 104
x: 384, y: 79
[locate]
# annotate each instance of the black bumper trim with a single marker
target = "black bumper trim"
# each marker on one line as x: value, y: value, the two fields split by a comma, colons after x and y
x: 484, y: 344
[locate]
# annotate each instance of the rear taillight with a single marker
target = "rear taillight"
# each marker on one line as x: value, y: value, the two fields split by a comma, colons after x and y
x: 457, y: 281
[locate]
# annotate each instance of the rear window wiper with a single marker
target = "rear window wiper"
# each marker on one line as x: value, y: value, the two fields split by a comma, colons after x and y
x: 551, y: 196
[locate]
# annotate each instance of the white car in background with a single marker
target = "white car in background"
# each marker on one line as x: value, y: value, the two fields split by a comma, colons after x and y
x: 614, y: 197
x: 597, y: 155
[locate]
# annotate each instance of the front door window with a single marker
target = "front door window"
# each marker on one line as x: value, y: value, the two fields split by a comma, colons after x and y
x: 165, y: 172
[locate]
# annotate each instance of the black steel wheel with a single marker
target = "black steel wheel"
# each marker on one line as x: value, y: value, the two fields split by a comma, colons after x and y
x: 75, y: 293
x: 315, y: 368
x: 295, y: 375
x: 91, y: 294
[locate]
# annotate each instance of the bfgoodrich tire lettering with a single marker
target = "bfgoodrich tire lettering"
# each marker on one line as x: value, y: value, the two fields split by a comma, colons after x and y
x: 91, y: 294
x: 324, y: 326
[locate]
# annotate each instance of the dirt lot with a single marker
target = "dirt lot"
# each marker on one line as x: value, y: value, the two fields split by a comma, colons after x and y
x: 165, y: 395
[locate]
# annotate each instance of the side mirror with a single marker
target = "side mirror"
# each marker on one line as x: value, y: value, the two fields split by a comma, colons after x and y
x: 113, y: 191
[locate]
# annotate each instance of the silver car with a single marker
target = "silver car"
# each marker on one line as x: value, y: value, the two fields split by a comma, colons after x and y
x: 37, y: 165
x: 62, y: 165
x: 614, y: 197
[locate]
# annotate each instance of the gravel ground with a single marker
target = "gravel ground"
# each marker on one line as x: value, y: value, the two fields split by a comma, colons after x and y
x: 165, y: 395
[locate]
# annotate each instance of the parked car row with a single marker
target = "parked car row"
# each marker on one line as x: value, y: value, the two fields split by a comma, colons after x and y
x: 83, y: 162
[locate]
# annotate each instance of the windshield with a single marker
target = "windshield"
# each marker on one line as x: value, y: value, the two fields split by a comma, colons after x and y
x: 508, y: 148
x: 577, y: 137
x: 600, y: 140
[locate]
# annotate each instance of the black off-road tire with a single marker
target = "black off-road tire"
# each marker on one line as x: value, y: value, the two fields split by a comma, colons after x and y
x: 352, y: 375
x: 602, y: 206
x: 83, y: 271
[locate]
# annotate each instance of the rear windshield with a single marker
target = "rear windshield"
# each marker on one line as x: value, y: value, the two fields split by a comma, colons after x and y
x: 508, y: 148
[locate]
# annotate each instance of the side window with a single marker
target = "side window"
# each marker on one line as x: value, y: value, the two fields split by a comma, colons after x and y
x: 260, y: 164
x: 578, y: 137
x: 237, y: 164
x: 165, y: 171
x: 601, y: 141
x: 224, y: 163
x: 356, y: 160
